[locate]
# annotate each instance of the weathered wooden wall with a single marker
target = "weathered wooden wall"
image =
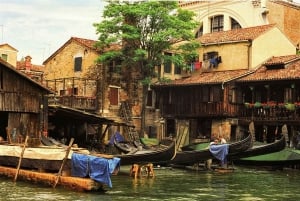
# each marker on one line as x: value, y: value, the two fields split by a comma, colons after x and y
x: 23, y: 101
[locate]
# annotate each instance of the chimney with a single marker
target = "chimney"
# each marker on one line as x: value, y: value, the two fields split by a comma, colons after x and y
x: 28, y: 63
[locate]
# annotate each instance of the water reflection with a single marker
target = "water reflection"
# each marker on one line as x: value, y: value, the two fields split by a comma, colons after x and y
x: 173, y: 184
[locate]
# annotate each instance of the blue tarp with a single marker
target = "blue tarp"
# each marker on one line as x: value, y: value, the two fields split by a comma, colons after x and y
x: 117, y: 136
x: 220, y: 152
x: 97, y: 168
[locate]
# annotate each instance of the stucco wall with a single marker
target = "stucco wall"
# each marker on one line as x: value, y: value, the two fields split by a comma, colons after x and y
x: 234, y: 56
x: 246, y: 13
x: 11, y: 54
x: 264, y: 48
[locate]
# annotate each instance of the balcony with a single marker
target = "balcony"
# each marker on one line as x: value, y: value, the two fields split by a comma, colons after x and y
x: 77, y: 102
x: 270, y: 111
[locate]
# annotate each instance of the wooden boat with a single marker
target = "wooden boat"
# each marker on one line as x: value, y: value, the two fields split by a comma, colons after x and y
x: 195, y: 156
x: 224, y: 169
x: 126, y: 147
x: 283, y: 158
x: 57, y: 161
x: 275, y: 146
x: 74, y: 183
x: 149, y: 141
x: 165, y: 151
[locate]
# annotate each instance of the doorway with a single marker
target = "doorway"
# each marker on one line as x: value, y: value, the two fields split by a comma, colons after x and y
x: 3, y: 124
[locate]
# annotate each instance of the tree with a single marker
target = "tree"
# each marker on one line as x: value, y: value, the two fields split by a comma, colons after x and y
x: 145, y: 30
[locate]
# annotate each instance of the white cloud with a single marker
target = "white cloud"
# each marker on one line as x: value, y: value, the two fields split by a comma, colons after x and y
x: 39, y: 27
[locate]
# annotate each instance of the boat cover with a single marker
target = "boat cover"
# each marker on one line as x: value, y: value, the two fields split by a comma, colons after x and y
x: 97, y: 168
x: 44, y: 153
x: 118, y: 137
x: 219, y: 151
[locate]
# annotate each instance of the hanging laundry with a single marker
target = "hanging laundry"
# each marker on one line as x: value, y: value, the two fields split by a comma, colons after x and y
x: 197, y: 65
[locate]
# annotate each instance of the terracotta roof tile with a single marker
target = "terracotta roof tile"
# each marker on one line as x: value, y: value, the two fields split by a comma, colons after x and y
x: 235, y: 35
x: 86, y: 42
x: 215, y: 77
x: 22, y: 66
x: 281, y: 59
x: 291, y: 70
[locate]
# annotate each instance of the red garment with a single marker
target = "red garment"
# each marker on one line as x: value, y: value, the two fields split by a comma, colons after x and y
x: 197, y: 65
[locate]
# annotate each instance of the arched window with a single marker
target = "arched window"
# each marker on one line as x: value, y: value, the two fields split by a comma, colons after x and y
x: 217, y: 23
x: 234, y: 24
x: 199, y: 32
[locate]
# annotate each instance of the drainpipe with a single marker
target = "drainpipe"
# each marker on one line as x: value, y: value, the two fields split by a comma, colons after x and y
x: 249, y: 53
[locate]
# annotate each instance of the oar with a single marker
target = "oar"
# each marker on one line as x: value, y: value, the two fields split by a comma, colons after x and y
x: 63, y: 163
x: 20, y: 159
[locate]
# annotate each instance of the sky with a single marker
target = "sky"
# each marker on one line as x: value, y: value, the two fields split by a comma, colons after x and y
x: 39, y: 27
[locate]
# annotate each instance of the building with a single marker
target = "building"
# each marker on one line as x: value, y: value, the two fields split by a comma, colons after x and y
x: 23, y: 108
x: 8, y: 54
x: 35, y: 72
x: 83, y: 85
x: 216, y: 16
x: 209, y: 102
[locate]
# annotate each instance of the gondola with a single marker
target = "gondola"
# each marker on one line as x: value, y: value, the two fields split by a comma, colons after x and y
x: 162, y: 153
x: 126, y: 147
x: 284, y: 158
x: 196, y: 156
x: 275, y: 146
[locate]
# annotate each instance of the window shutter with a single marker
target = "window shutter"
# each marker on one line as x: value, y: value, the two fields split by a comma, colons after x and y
x: 77, y: 64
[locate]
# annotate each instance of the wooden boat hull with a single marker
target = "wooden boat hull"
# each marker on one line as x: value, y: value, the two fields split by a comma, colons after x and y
x: 79, y: 164
x: 165, y: 153
x: 285, y: 157
x: 195, y: 156
x: 278, y: 145
x: 126, y: 147
x: 45, y: 165
x: 74, y: 183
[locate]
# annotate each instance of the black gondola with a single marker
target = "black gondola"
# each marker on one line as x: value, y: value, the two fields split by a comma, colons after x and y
x: 162, y: 153
x: 196, y: 156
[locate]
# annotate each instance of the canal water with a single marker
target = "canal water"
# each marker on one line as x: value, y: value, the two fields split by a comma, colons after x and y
x: 243, y: 184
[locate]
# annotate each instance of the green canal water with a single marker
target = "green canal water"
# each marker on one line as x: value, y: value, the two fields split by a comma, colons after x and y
x: 243, y: 184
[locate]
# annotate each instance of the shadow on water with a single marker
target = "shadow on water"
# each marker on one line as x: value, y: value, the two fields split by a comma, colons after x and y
x: 173, y: 184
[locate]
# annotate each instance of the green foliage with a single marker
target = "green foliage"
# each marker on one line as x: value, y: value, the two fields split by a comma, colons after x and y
x: 144, y: 30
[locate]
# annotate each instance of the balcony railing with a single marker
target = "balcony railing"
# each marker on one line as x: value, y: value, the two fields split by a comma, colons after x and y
x: 271, y: 111
x: 77, y: 102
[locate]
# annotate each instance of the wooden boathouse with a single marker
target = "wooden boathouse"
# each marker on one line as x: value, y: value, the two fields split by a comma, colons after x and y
x: 23, y: 105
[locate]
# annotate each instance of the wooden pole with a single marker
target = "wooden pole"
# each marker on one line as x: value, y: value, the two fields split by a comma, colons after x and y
x: 63, y: 163
x: 20, y: 159
x: 8, y: 136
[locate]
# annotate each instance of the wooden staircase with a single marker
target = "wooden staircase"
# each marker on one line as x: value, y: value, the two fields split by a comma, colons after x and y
x: 126, y: 115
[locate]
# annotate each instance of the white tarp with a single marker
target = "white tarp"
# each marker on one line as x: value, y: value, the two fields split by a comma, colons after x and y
x: 45, y: 153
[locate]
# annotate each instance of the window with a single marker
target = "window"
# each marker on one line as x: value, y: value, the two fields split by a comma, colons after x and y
x: 235, y: 24
x: 114, y: 66
x: 199, y: 32
x: 215, y: 94
x: 4, y: 57
x: 217, y: 23
x: 288, y: 95
x: 211, y: 59
x: 72, y: 91
x: 1, y: 78
x: 114, y: 96
x: 205, y: 94
x: 235, y: 95
x: 177, y: 70
x: 150, y: 98
x: 78, y: 64
x: 168, y: 64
